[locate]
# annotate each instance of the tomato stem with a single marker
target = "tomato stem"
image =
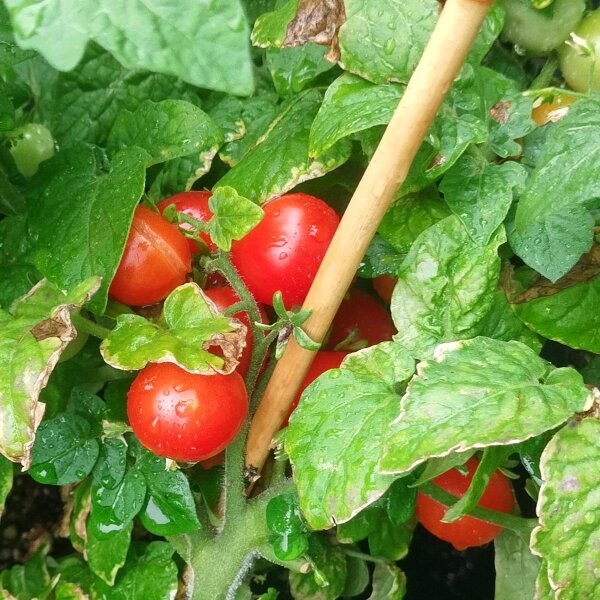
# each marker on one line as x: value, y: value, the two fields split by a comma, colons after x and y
x: 519, y: 525
x: 85, y: 325
x: 365, y: 557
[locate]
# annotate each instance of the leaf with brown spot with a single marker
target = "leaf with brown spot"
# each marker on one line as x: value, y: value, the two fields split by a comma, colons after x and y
x: 500, y: 112
x: 317, y: 21
x: 190, y: 326
x: 32, y: 339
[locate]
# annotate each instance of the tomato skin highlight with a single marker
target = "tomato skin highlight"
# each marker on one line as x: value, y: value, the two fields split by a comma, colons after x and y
x: 193, y: 204
x: 361, y: 314
x: 156, y: 260
x: 467, y: 531
x: 224, y: 297
x: 284, y: 251
x: 184, y: 416
x: 324, y: 360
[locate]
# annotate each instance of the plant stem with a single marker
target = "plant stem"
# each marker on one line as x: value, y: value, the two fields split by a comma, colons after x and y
x: 519, y: 525
x: 365, y: 557
x: 85, y: 325
x: 545, y: 76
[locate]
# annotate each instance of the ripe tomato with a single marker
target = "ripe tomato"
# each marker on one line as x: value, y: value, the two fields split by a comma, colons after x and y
x: 184, y: 416
x: 155, y: 261
x: 225, y: 296
x: 466, y: 531
x: 555, y: 110
x: 581, y: 70
x: 194, y: 204
x: 384, y: 285
x: 324, y: 361
x: 284, y: 251
x: 362, y: 316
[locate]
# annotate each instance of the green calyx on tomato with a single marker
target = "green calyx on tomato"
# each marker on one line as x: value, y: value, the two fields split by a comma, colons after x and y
x: 467, y: 531
x: 193, y: 204
x: 155, y: 261
x: 185, y: 416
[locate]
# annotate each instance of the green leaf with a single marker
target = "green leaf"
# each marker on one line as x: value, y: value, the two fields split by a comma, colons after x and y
x: 391, y: 540
x: 234, y: 216
x: 281, y: 160
x: 7, y: 110
x: 352, y: 104
x: 380, y: 257
x: 290, y: 534
x: 270, y: 28
x: 205, y: 45
x: 293, y: 69
x: 445, y: 287
x: 553, y: 224
x: 480, y: 194
x: 6, y: 480
x: 568, y: 535
x: 29, y: 581
x: 31, y: 341
x: 65, y: 450
x: 358, y: 577
x: 334, y: 459
x: 501, y: 323
x: 257, y: 113
x: 79, y: 514
x: 489, y: 32
x: 516, y: 568
x: 112, y: 463
x: 152, y: 576
x: 389, y: 583
x: 479, y: 393
x: 327, y: 579
x: 114, y: 508
x: 411, y: 215
x: 90, y: 211
x: 169, y: 508
x: 106, y: 555
x: 568, y: 316
x: 166, y: 130
x: 372, y: 38
x: 190, y: 323
x: 81, y: 105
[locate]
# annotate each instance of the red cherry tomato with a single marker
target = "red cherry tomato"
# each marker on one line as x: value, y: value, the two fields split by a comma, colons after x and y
x: 284, y: 251
x: 184, y: 416
x: 384, y: 285
x: 155, y: 261
x: 324, y: 361
x: 466, y: 531
x: 224, y: 297
x: 364, y: 318
x: 194, y: 204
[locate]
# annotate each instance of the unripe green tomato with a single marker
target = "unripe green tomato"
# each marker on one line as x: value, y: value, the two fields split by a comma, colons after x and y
x: 31, y: 144
x: 532, y: 30
x: 581, y: 66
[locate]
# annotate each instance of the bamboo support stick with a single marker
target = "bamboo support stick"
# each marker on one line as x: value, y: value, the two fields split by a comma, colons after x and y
x: 444, y: 55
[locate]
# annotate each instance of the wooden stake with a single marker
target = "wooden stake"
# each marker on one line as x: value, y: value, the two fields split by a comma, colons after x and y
x: 444, y: 55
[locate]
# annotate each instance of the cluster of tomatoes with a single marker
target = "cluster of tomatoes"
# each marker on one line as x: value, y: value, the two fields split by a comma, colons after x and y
x: 190, y: 417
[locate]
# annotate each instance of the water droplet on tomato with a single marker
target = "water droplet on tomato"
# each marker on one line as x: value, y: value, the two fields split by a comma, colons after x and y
x: 148, y: 387
x: 184, y: 407
x: 283, y: 255
x: 155, y: 422
x: 166, y: 392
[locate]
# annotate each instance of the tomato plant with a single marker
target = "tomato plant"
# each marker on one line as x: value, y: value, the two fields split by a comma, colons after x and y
x: 224, y: 297
x: 184, y: 416
x: 155, y: 261
x: 466, y: 531
x: 360, y: 321
x: 193, y: 204
x: 114, y: 361
x: 284, y: 250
